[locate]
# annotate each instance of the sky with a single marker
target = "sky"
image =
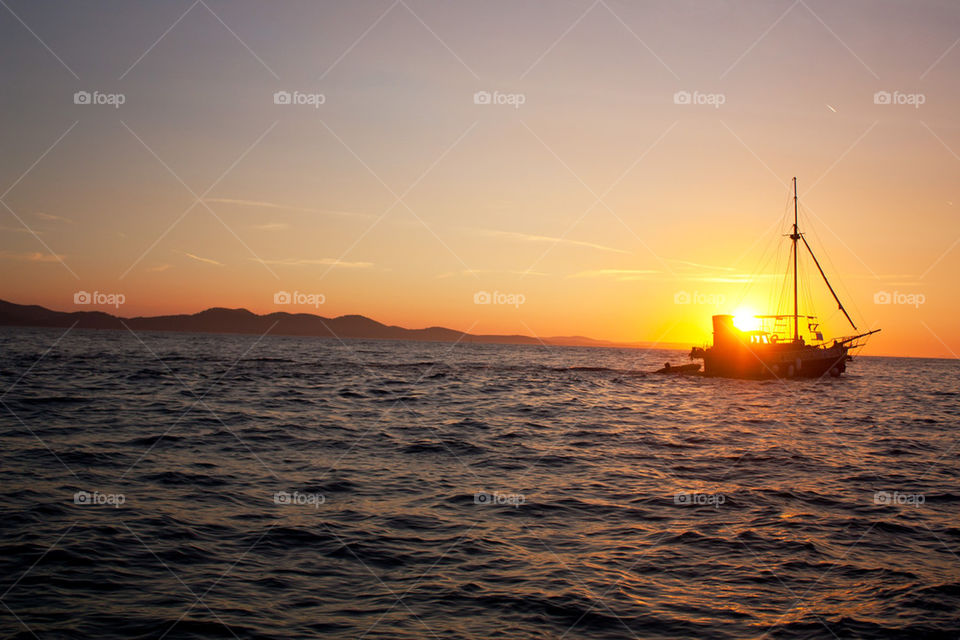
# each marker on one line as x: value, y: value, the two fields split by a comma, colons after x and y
x: 619, y: 170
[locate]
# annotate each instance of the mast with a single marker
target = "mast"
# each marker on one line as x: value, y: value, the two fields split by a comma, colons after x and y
x: 795, y: 236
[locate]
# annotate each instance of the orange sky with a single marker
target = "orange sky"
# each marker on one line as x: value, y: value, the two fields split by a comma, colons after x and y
x: 589, y: 185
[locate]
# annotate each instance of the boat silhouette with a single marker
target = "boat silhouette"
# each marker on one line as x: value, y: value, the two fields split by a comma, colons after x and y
x: 774, y: 351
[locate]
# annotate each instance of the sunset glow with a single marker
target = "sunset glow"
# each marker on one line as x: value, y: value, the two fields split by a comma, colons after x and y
x: 595, y: 179
x: 746, y: 320
x: 406, y: 319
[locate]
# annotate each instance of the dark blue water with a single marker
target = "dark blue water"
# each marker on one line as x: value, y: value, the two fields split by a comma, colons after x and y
x: 188, y: 486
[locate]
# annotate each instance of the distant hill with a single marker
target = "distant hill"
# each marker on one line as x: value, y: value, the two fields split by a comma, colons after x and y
x: 220, y: 320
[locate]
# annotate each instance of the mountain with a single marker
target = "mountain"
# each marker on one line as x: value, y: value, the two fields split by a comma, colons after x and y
x: 220, y: 320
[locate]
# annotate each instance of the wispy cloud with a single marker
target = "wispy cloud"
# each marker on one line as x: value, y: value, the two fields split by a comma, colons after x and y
x: 735, y: 278
x: 617, y: 274
x: 653, y: 274
x: 52, y: 218
x: 893, y: 280
x: 271, y: 226
x: 160, y: 267
x: 905, y: 283
x: 32, y: 256
x: 880, y: 276
x: 260, y: 204
x: 476, y: 272
x: 21, y: 230
x: 527, y: 237
x: 697, y: 265
x: 202, y: 259
x: 329, y: 262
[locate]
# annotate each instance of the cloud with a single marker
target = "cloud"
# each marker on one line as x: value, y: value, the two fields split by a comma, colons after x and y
x: 260, y: 204
x: 52, y: 218
x: 618, y: 274
x: 891, y: 279
x: 271, y: 226
x: 201, y: 259
x: 735, y: 278
x: 34, y: 256
x: 648, y: 274
x: 699, y: 266
x: 526, y: 237
x: 21, y: 230
x: 330, y: 262
x: 160, y: 267
x: 476, y: 272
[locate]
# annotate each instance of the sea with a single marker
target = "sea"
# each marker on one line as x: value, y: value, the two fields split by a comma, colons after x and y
x: 163, y: 485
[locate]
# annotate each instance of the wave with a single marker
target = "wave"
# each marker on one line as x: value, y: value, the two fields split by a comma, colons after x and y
x: 585, y: 451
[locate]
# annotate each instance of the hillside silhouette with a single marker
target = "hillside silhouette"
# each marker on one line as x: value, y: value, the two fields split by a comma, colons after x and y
x: 221, y: 320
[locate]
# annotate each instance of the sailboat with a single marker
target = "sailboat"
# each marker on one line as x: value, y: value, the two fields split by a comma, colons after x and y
x: 776, y: 351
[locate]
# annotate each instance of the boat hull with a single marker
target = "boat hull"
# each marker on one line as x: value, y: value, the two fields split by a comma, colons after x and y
x: 780, y: 361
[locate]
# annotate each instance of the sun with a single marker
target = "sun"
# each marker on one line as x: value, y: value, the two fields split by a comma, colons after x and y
x: 746, y: 320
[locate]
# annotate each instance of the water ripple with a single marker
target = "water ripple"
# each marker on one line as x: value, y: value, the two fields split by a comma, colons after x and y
x: 408, y: 490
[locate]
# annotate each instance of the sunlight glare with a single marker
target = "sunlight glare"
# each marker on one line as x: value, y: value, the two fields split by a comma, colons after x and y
x: 745, y: 320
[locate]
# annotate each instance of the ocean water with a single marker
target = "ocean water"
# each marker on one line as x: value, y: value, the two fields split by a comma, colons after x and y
x: 201, y: 486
